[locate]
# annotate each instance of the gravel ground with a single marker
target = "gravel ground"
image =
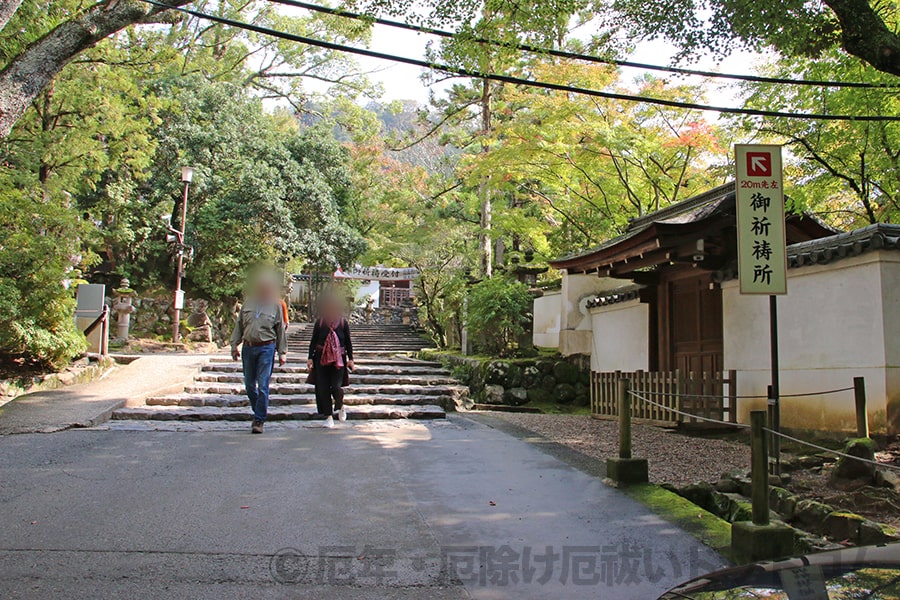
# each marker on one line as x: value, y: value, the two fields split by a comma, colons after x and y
x: 674, y: 458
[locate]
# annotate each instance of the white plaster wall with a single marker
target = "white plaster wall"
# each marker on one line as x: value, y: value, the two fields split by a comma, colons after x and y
x: 546, y: 319
x: 620, y: 337
x: 832, y: 328
x: 575, y: 323
x: 370, y: 289
x: 890, y: 293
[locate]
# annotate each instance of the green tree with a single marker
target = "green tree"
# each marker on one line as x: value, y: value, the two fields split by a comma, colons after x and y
x: 867, y: 29
x: 472, y: 108
x: 40, y: 252
x: 497, y: 312
x: 847, y: 172
x: 265, y: 188
x: 38, y: 42
x: 576, y: 169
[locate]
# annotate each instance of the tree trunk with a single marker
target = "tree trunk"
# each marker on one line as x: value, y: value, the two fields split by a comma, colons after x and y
x: 23, y: 79
x: 7, y: 9
x: 865, y: 34
x: 485, y: 190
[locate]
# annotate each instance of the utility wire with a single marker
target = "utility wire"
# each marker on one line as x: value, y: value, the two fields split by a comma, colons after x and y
x: 578, y: 56
x: 519, y: 80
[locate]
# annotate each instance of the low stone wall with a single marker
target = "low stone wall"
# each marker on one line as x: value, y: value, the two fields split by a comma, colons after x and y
x: 565, y: 380
x: 153, y: 317
x: 81, y: 370
x: 818, y: 526
x: 386, y: 315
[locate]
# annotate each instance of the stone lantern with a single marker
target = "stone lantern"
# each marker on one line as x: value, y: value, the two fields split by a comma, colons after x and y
x: 124, y: 308
x: 370, y: 308
x: 527, y: 273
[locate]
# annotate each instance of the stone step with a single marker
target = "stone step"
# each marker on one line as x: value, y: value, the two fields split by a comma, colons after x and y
x: 276, y: 413
x: 388, y: 384
x: 291, y: 389
x: 231, y: 400
x: 381, y: 337
x: 370, y: 346
x: 301, y: 378
x: 362, y: 347
x: 361, y: 369
x: 363, y: 329
x: 299, y: 359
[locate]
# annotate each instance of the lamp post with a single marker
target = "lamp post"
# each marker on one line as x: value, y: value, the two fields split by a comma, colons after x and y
x: 187, y: 174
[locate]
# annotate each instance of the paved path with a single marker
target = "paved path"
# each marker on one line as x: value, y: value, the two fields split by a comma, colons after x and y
x: 368, y: 511
x: 90, y: 403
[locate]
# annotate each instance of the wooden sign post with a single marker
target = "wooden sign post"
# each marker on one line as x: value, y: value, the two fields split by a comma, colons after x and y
x: 762, y: 248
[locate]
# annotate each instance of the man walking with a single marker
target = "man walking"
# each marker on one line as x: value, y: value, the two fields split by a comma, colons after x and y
x: 261, y: 329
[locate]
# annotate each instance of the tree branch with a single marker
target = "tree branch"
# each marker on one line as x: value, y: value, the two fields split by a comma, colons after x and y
x: 23, y: 79
x: 865, y: 34
x: 7, y: 9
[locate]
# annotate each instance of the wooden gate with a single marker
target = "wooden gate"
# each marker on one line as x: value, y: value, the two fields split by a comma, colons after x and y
x: 710, y: 395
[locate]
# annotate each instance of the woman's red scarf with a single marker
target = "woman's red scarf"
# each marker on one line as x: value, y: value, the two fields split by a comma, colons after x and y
x: 332, y: 354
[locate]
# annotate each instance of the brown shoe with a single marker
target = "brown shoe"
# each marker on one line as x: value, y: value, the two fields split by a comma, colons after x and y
x: 257, y: 427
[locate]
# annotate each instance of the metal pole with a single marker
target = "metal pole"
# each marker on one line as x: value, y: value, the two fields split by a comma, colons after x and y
x: 862, y: 416
x: 759, y: 471
x: 176, y: 336
x: 104, y: 332
x: 624, y: 419
x: 774, y: 390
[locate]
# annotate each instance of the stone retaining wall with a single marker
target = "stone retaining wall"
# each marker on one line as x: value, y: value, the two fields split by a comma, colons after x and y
x: 565, y: 380
x: 153, y: 317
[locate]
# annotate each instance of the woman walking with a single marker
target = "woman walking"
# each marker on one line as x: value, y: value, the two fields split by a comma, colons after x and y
x: 330, y: 359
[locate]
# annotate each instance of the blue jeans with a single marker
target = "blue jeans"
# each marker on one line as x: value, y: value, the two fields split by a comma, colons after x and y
x: 258, y: 364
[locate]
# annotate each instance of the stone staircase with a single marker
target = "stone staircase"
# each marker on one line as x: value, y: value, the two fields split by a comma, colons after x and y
x: 387, y: 384
x: 367, y: 339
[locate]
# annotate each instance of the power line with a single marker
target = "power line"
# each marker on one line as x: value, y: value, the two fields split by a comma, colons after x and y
x: 585, y: 57
x: 519, y: 80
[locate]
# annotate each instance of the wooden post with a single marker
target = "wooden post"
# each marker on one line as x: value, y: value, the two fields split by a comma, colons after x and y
x: 679, y: 399
x: 624, y: 418
x: 732, y: 396
x: 774, y: 442
x: 862, y: 416
x: 759, y: 467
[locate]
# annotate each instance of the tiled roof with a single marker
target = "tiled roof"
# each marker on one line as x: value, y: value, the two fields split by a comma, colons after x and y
x: 686, y: 211
x: 822, y: 251
x: 691, y: 209
x: 616, y: 296
x: 852, y: 243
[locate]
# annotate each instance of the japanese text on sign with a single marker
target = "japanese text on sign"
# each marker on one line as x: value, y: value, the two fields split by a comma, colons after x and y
x: 762, y: 255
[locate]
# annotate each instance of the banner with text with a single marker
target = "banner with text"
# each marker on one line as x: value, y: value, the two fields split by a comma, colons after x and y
x: 762, y: 253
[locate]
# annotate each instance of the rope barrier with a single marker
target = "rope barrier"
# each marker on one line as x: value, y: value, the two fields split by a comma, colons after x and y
x: 680, y: 412
x: 824, y: 449
x: 804, y: 395
x: 825, y: 393
x: 779, y: 434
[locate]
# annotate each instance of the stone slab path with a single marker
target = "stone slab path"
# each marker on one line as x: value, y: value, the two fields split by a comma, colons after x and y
x: 445, y: 510
x: 91, y: 403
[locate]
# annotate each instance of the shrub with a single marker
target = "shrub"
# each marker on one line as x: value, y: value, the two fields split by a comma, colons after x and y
x: 39, y: 240
x: 498, y: 310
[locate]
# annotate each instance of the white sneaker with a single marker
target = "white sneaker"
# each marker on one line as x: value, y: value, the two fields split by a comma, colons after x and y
x: 329, y: 423
x: 342, y: 414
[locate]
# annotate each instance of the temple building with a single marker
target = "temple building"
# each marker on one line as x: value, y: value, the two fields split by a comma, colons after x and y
x: 387, y: 287
x: 662, y: 303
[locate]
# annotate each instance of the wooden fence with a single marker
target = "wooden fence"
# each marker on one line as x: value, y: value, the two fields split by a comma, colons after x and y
x: 710, y: 395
